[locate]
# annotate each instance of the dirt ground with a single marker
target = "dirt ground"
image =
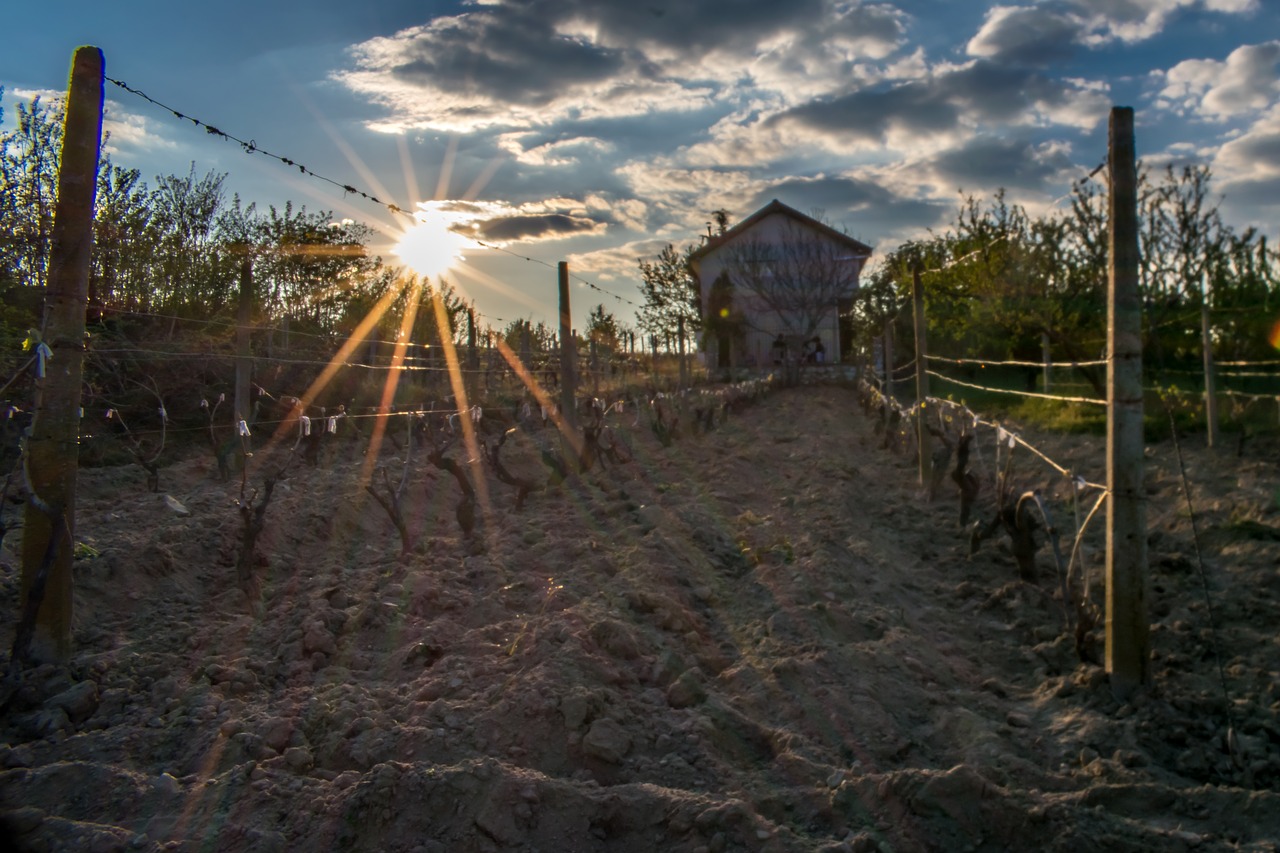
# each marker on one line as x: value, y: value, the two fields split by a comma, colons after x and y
x: 759, y: 638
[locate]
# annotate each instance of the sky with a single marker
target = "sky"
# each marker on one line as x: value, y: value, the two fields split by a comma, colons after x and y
x: 598, y: 131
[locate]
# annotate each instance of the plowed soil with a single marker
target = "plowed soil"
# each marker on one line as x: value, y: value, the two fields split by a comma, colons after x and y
x: 761, y: 637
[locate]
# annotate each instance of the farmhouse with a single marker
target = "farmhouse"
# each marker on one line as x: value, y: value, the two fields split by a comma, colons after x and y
x: 776, y: 278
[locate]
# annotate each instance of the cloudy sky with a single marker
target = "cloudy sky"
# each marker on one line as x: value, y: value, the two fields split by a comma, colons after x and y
x: 596, y: 131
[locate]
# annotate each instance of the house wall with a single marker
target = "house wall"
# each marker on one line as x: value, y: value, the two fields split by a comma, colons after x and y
x: 757, y: 349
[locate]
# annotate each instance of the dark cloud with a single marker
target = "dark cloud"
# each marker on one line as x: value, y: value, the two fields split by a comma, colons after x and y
x: 870, y: 113
x: 685, y: 26
x: 534, y: 53
x: 515, y: 56
x: 545, y: 226
x: 860, y: 207
x: 1030, y: 35
x: 991, y: 162
x: 982, y: 90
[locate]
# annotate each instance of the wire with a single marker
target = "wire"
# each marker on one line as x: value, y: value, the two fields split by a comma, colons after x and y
x: 1017, y: 393
x: 578, y: 278
x: 250, y: 146
x: 985, y: 361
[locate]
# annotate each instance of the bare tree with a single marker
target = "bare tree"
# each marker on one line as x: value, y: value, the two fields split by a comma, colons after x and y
x: 798, y: 277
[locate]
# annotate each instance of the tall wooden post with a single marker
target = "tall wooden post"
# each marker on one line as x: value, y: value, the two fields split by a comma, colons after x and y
x: 1206, y: 345
x: 568, y: 354
x: 888, y: 358
x: 526, y: 347
x: 922, y: 380
x: 684, y: 369
x: 1128, y: 641
x: 595, y: 367
x: 244, y: 316
x: 1044, y: 358
x: 53, y: 447
x: 473, y: 357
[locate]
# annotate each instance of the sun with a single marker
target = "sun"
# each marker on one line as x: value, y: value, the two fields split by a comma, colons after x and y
x: 430, y: 247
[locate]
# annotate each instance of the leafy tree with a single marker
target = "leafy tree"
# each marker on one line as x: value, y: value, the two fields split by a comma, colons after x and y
x: 29, y: 157
x: 540, y: 335
x: 193, y: 276
x: 124, y: 242
x: 311, y: 264
x: 603, y: 329
x: 670, y: 294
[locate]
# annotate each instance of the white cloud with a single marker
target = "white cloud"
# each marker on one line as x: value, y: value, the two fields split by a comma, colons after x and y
x: 563, y: 152
x: 1036, y: 35
x: 1138, y: 20
x: 1254, y: 153
x: 130, y: 131
x: 1247, y: 81
x: 1045, y: 32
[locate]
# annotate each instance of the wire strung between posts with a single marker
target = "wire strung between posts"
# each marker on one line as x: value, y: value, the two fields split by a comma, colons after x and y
x: 21, y: 370
x: 572, y: 275
x: 904, y: 368
x: 1271, y: 363
x: 250, y: 146
x: 1017, y: 393
x: 977, y: 421
x: 906, y: 414
x: 985, y: 361
x: 272, y: 360
x: 120, y: 312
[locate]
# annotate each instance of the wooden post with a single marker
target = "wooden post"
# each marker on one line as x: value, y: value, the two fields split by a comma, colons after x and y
x: 1128, y: 642
x: 922, y: 381
x: 888, y: 358
x: 595, y: 368
x: 53, y: 447
x: 684, y: 370
x: 526, y: 347
x: 568, y: 354
x: 473, y: 358
x: 244, y: 316
x: 1044, y: 358
x: 1206, y: 345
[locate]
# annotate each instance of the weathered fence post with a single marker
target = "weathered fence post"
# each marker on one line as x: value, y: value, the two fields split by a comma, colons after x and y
x: 1127, y: 646
x: 1044, y: 358
x: 471, y: 365
x: 922, y: 380
x: 1206, y: 344
x: 526, y: 347
x: 684, y: 368
x: 48, y: 533
x: 568, y: 354
x: 244, y: 316
x: 888, y: 358
x: 595, y: 367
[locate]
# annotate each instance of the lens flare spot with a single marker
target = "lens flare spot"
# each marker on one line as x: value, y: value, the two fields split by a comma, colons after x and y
x: 430, y: 247
x: 1274, y: 337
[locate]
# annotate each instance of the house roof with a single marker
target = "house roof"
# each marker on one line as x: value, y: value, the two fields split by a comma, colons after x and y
x: 776, y: 207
